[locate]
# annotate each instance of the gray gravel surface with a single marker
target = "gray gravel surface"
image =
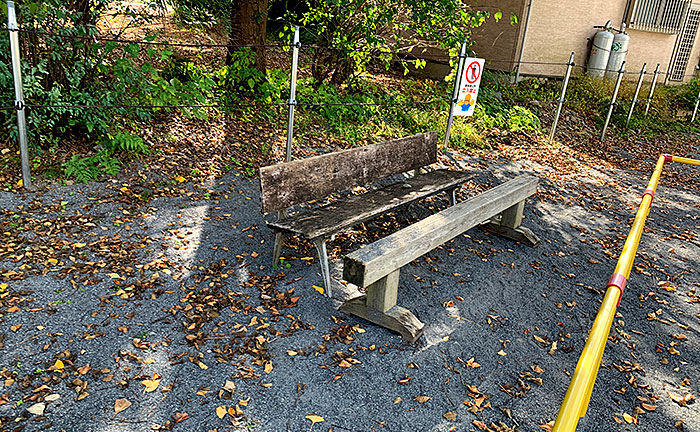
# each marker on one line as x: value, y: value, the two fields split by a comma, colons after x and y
x: 505, y: 323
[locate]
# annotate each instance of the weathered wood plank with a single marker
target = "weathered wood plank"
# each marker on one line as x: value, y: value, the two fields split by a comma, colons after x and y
x: 399, y: 319
x: 513, y: 216
x: 520, y: 234
x: 371, y: 263
x: 382, y: 294
x: 291, y: 183
x: 359, y: 208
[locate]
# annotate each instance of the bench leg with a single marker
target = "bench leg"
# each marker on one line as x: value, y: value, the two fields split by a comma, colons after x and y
x: 277, y: 249
x: 452, y: 196
x: 320, y: 244
x: 508, y: 225
x: 379, y: 306
x: 513, y: 216
x: 382, y: 294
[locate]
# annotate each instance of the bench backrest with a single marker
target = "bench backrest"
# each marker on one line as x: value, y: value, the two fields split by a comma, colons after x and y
x: 299, y: 181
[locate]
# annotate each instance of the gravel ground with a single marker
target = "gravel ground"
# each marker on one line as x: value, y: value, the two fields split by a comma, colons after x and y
x: 177, y: 292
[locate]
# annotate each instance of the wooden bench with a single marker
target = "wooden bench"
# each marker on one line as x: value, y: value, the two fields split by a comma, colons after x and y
x: 292, y: 183
x: 376, y: 266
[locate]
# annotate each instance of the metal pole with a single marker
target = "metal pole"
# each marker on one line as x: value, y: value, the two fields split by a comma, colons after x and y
x: 695, y: 110
x: 455, y: 91
x: 636, y: 93
x: 522, y: 44
x: 651, y: 90
x: 612, y: 101
x: 19, y: 95
x: 292, y: 92
x: 561, y: 97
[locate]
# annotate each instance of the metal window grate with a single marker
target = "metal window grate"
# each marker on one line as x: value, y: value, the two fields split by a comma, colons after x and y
x: 685, y: 47
x: 662, y: 16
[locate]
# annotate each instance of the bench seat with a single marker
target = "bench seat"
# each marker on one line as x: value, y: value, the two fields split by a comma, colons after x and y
x: 376, y: 266
x: 351, y: 211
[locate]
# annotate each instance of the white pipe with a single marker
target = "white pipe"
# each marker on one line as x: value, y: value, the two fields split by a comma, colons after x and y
x: 522, y: 43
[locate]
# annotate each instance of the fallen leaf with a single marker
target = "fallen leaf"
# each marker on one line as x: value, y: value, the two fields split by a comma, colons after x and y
x: 319, y: 289
x: 315, y: 418
x: 220, y: 411
x: 180, y: 416
x: 37, y: 409
x: 501, y: 353
x: 151, y: 384
x: 421, y: 399
x: 120, y: 405
x: 451, y: 416
x: 230, y: 386
x: 58, y: 366
x: 547, y: 427
x: 628, y: 418
x: 681, y: 400
x: 52, y: 397
x: 397, y: 400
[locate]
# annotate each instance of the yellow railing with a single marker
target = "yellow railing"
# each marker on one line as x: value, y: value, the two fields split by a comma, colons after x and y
x: 578, y: 395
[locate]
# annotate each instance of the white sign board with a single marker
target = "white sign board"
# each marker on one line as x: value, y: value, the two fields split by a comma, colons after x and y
x: 468, y: 87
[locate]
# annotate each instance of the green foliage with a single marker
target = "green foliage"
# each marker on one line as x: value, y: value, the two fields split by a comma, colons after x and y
x: 361, y: 30
x: 127, y: 143
x: 202, y: 13
x: 89, y: 168
x: 78, y: 72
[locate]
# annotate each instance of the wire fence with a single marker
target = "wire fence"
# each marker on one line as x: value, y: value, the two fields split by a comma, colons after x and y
x: 294, y: 47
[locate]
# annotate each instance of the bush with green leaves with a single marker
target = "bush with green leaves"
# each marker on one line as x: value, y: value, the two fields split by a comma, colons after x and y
x: 354, y: 32
x: 70, y: 79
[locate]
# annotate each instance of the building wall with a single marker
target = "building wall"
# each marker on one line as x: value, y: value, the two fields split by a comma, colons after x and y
x: 498, y: 42
x: 650, y: 48
x: 558, y: 27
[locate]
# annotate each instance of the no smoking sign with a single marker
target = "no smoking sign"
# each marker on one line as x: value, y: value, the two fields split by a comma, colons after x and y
x: 469, y: 87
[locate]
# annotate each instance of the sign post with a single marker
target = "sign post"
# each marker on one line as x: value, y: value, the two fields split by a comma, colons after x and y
x: 469, y: 87
x: 466, y: 88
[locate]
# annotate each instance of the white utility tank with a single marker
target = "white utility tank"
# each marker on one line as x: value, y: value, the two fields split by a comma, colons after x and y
x: 618, y: 52
x: 600, y: 53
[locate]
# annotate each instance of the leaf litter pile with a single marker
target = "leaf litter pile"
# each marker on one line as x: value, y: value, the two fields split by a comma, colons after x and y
x: 149, y: 303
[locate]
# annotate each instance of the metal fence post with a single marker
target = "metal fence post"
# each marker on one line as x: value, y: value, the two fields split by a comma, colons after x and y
x: 612, y: 101
x: 19, y: 94
x: 455, y: 91
x: 569, y: 65
x: 636, y: 93
x: 292, y: 93
x: 695, y: 110
x: 651, y: 90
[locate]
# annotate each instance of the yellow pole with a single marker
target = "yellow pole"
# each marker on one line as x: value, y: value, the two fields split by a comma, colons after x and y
x: 686, y: 160
x: 578, y: 395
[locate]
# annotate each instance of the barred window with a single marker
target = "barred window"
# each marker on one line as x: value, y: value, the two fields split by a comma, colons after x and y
x: 663, y: 16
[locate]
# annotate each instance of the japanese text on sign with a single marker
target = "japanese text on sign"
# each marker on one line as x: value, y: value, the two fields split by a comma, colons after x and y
x: 469, y: 87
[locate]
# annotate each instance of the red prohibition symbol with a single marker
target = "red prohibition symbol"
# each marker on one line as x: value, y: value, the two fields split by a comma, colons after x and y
x: 475, y: 69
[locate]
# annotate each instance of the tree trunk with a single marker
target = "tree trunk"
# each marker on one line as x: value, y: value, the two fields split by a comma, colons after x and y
x: 248, y: 27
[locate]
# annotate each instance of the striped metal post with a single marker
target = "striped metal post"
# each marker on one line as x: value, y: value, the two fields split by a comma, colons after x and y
x: 561, y: 97
x: 620, y: 73
x: 695, y: 110
x: 292, y: 93
x: 19, y: 94
x: 455, y: 91
x: 651, y: 90
x: 636, y: 93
